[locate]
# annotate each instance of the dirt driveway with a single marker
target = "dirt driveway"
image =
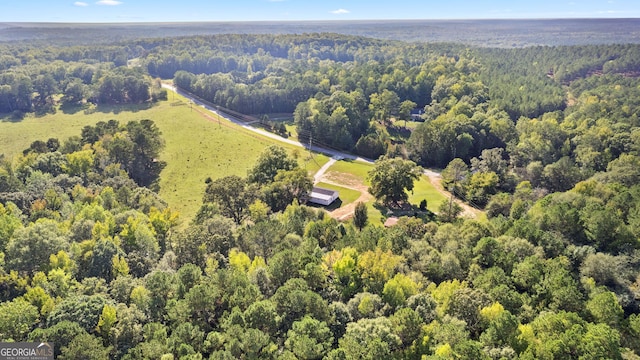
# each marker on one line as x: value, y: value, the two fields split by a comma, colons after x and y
x: 353, y: 183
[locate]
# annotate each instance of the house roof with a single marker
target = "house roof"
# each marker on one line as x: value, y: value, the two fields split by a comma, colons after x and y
x: 323, y: 191
x: 323, y: 194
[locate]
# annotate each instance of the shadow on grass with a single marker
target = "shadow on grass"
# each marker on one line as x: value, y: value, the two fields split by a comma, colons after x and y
x: 106, y: 108
x: 13, y: 117
x: 399, y: 134
x: 116, y: 109
x: 406, y: 209
x: 72, y: 109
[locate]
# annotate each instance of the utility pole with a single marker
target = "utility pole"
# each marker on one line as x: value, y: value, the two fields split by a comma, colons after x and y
x: 451, y: 189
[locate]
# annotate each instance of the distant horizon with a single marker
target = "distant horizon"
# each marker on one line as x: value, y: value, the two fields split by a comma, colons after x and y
x: 310, y: 21
x: 190, y: 11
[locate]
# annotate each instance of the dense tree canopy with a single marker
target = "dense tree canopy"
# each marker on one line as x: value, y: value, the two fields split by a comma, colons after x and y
x: 546, y: 138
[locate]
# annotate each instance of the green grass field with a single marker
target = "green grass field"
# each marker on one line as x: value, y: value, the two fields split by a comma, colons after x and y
x: 197, y: 146
x: 423, y: 189
x: 347, y: 196
x: 411, y: 125
x: 16, y: 136
x: 358, y: 170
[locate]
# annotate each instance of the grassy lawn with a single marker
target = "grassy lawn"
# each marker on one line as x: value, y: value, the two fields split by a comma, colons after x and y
x: 411, y: 125
x: 313, y: 163
x: 374, y: 215
x: 197, y: 146
x: 357, y: 170
x: 292, y: 129
x: 424, y: 190
x: 16, y: 136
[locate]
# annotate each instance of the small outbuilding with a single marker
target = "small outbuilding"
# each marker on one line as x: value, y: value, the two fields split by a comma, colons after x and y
x: 322, y: 196
x: 416, y: 114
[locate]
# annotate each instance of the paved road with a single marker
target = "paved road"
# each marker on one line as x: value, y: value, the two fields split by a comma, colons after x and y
x: 318, y: 176
x: 329, y: 152
x: 434, y: 177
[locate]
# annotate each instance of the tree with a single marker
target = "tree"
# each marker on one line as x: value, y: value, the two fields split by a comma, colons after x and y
x: 271, y: 160
x: 448, y: 211
x: 407, y: 325
x: 46, y: 87
x: 85, y: 346
x: 74, y: 93
x: 294, y: 300
x: 110, y: 90
x: 397, y: 290
x: 604, y: 308
x: 600, y: 342
x: 371, y: 146
x: 287, y: 186
x: 390, y: 178
x: 384, y: 105
x: 61, y: 334
x: 79, y: 163
x: 83, y: 309
x: 376, y: 268
x: 404, y: 112
x: 106, y: 321
x: 309, y: 338
x: 17, y: 318
x: 232, y: 195
x: 370, y: 339
x: 198, y: 242
x: 455, y: 175
x: 29, y: 248
x: 360, y: 215
x: 262, y: 315
x: 145, y: 167
x: 465, y: 304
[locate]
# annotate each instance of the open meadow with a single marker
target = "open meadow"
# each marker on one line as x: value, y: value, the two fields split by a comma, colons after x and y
x: 199, y: 145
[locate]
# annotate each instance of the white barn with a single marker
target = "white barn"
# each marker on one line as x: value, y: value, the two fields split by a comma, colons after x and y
x: 322, y: 196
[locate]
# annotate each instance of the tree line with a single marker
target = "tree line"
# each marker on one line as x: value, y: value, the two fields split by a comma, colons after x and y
x: 34, y: 79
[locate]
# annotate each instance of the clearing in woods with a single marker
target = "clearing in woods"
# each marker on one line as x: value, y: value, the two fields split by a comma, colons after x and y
x: 198, y: 145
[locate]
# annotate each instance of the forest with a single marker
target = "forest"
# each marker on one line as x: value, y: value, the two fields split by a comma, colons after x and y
x: 544, y: 139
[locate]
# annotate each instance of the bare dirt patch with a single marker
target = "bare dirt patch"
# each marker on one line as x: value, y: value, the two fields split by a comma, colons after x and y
x: 346, y: 212
x: 345, y: 180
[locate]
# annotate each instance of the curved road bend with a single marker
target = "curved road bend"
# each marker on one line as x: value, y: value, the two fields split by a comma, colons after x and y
x: 433, y: 176
x: 330, y: 152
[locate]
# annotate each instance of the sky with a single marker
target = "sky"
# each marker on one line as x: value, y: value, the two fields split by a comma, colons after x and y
x: 89, y: 11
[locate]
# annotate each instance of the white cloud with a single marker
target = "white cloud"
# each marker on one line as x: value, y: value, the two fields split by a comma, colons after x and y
x: 109, y: 2
x: 80, y: 3
x: 340, y: 11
